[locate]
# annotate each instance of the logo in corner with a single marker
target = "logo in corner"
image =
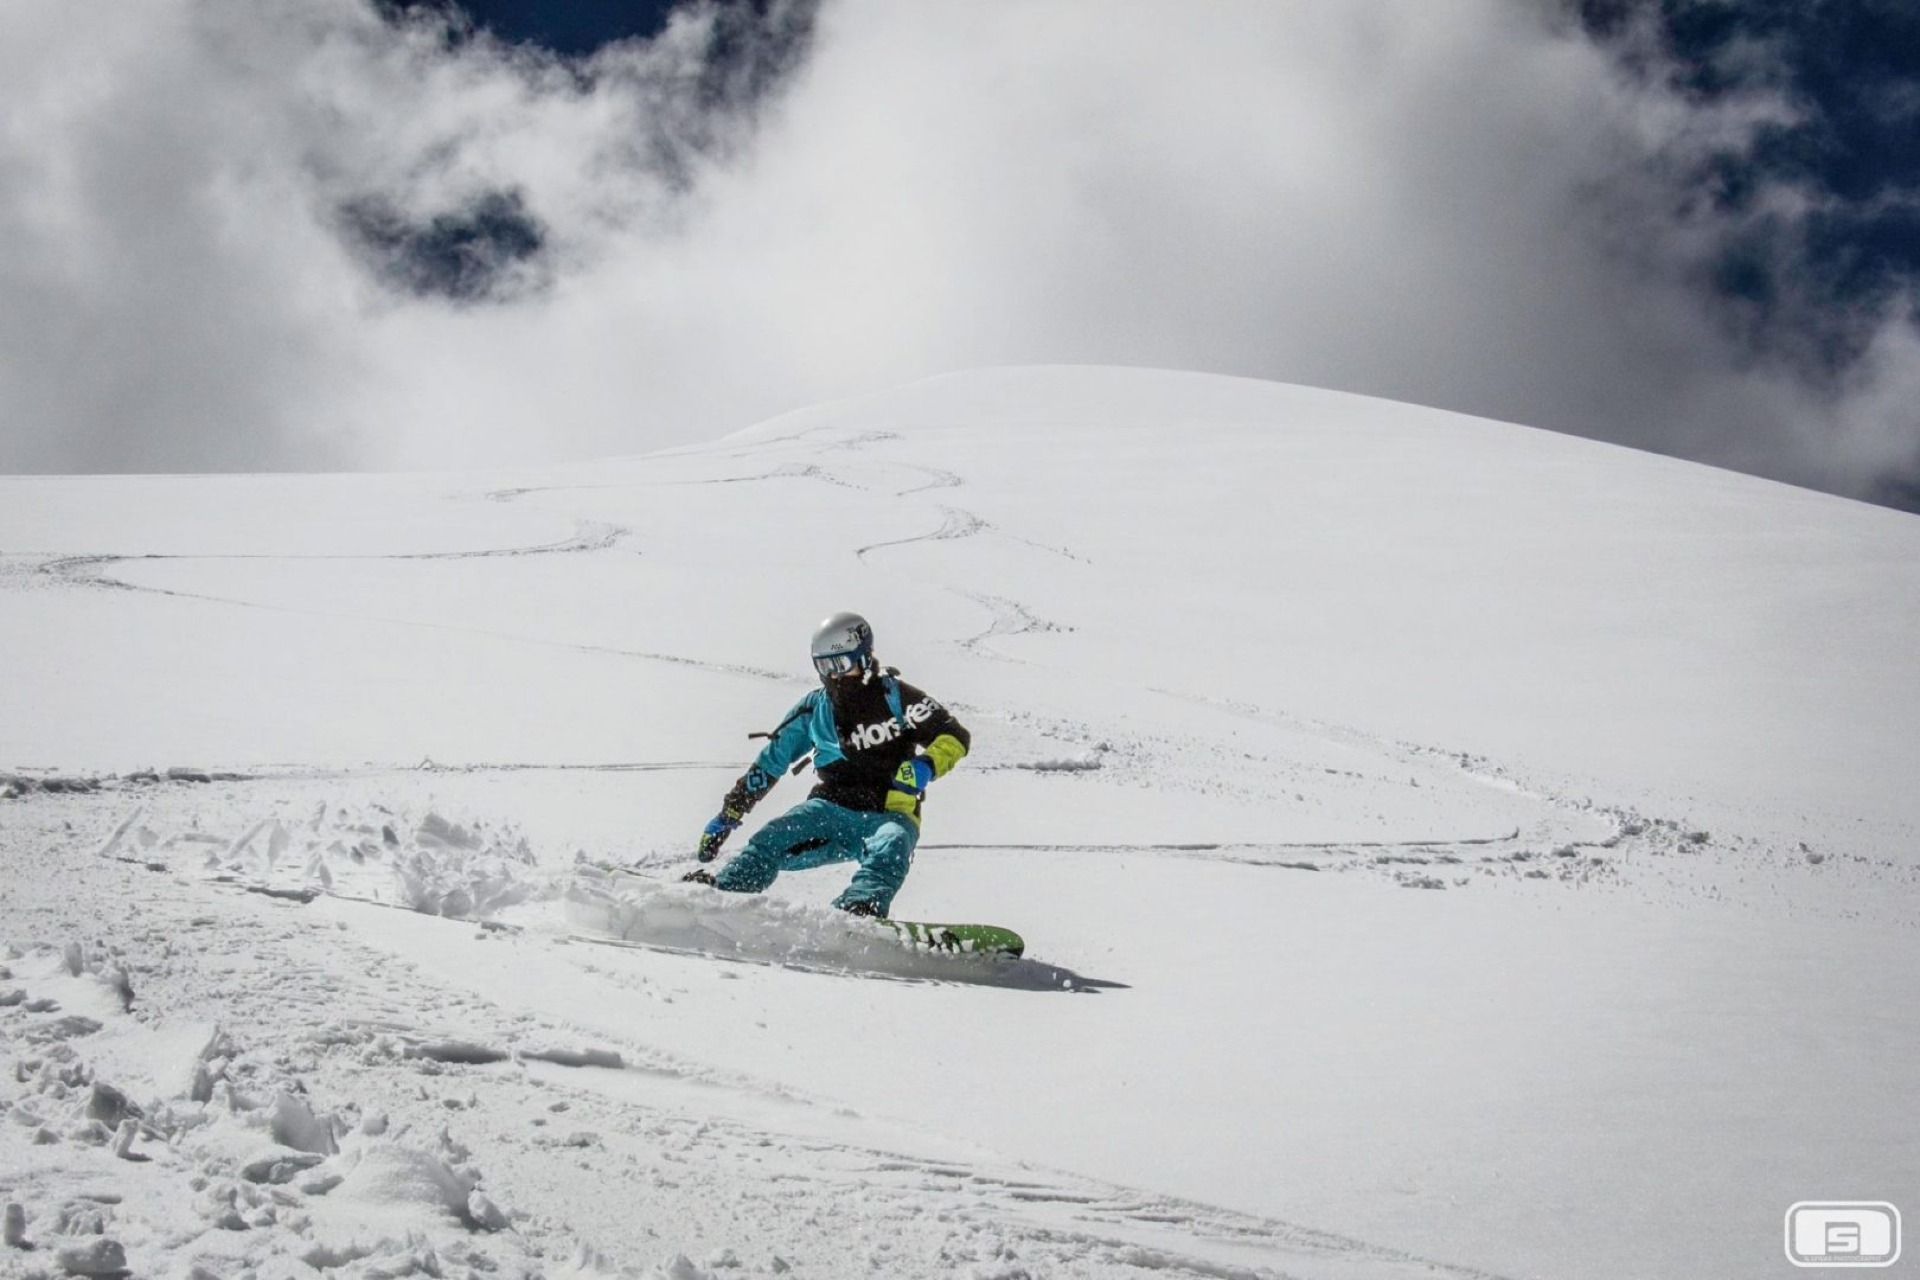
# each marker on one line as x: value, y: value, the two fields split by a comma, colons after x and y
x: 1843, y: 1233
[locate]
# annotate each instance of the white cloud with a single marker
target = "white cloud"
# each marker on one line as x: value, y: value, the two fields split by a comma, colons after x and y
x: 1450, y: 204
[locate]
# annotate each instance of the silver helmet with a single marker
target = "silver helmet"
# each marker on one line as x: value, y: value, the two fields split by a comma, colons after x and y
x: 842, y: 646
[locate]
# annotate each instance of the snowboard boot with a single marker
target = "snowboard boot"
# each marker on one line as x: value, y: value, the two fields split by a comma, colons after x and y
x: 699, y: 875
x: 864, y: 909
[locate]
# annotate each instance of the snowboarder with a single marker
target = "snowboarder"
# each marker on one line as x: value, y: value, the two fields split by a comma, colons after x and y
x: 876, y: 742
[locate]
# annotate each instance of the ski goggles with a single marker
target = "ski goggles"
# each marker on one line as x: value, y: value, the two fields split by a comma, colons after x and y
x: 832, y: 665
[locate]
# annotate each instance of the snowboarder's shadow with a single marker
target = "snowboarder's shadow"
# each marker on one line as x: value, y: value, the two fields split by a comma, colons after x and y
x: 1005, y: 972
x: 1036, y: 975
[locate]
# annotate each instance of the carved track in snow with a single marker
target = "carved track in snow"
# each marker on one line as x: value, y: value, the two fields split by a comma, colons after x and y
x: 954, y: 523
x: 1009, y: 618
x: 591, y: 535
x: 89, y: 572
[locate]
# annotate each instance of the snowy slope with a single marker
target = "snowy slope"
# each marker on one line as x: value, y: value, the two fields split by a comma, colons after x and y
x: 1444, y: 848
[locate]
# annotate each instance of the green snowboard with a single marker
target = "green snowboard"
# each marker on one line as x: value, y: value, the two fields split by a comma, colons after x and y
x: 974, y: 939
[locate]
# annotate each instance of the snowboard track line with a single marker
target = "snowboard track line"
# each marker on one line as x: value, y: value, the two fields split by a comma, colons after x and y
x: 80, y: 571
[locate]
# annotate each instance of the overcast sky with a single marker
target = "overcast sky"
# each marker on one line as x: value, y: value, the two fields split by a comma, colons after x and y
x: 325, y: 234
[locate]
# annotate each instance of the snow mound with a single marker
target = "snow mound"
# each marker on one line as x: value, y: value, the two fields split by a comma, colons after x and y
x: 392, y: 1180
x: 366, y: 851
x: 241, y: 1165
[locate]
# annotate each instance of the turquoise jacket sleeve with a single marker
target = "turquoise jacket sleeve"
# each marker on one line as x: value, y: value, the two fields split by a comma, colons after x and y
x: 786, y: 744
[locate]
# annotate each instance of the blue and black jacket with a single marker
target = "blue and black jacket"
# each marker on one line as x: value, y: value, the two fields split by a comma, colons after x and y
x: 861, y: 734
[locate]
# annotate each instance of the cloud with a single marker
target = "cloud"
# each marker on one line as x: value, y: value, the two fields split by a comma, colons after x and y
x: 317, y: 237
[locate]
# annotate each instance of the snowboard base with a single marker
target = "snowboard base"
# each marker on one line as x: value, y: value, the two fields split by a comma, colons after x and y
x: 972, y: 939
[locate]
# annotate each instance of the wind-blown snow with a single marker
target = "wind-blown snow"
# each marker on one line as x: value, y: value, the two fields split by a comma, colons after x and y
x: 1443, y: 848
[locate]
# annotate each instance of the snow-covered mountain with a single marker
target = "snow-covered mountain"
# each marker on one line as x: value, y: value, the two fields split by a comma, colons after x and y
x: 1443, y: 848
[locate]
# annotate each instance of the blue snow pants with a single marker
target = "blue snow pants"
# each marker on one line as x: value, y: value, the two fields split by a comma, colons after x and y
x: 815, y: 833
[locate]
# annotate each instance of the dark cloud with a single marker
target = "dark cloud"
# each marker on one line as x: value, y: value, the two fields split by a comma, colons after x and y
x: 1823, y: 205
x: 752, y: 47
x: 487, y: 251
